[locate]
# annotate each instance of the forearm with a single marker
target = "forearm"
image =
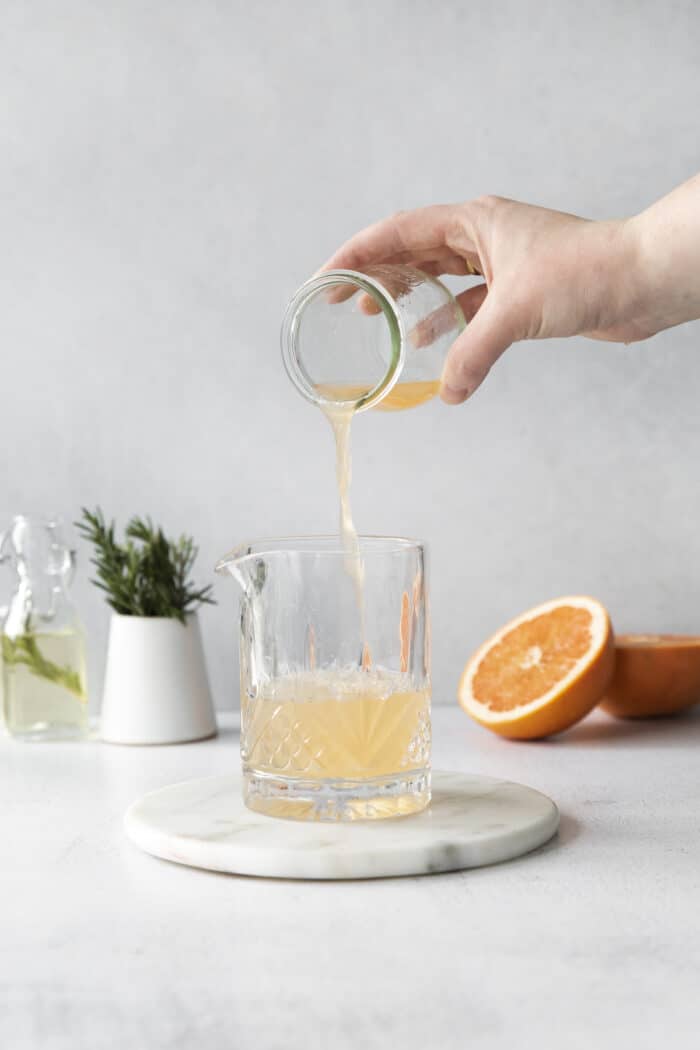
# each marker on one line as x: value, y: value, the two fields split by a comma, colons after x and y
x: 668, y: 238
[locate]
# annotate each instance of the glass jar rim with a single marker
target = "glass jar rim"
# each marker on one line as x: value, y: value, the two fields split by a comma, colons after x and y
x: 289, y: 336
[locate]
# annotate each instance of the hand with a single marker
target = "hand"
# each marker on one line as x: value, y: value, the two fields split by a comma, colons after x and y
x: 545, y: 274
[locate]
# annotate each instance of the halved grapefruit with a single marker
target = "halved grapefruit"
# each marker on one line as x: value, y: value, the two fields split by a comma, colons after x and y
x: 543, y: 671
x: 655, y: 675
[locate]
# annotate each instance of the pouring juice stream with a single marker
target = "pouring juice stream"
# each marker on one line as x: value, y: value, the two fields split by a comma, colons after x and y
x: 356, y: 725
x: 350, y: 722
x: 339, y: 407
x: 393, y: 336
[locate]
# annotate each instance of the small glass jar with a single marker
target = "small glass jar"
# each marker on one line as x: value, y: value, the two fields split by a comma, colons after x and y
x: 384, y: 347
x: 43, y: 644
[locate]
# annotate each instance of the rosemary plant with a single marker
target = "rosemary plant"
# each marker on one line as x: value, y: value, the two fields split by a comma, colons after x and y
x: 149, y: 574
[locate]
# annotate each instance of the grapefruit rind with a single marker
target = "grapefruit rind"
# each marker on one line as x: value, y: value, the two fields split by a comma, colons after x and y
x: 655, y: 675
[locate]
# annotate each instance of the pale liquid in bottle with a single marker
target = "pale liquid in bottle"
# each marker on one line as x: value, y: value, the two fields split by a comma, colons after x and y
x: 55, y: 698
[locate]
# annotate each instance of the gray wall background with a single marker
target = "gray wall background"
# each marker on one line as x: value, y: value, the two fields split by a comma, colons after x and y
x: 171, y: 171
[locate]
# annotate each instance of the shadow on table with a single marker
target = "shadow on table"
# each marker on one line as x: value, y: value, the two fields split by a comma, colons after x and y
x: 231, y: 733
x: 668, y: 731
x: 569, y: 830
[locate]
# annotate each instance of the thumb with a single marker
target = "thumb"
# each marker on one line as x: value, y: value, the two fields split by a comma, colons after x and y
x: 488, y: 334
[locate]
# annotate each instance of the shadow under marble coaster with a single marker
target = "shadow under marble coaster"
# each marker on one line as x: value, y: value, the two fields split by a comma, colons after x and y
x: 471, y: 821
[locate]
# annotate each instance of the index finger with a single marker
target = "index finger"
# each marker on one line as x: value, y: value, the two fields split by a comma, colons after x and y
x: 401, y: 235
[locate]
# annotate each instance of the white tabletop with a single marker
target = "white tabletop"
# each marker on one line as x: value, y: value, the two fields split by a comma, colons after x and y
x: 593, y: 941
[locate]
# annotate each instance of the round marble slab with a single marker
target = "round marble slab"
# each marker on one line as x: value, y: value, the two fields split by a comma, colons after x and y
x: 471, y: 821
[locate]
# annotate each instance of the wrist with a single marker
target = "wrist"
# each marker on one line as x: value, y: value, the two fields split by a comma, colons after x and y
x: 618, y: 280
x: 631, y: 280
x: 667, y: 240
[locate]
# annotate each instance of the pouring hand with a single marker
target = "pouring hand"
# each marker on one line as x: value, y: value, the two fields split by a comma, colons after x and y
x: 546, y: 273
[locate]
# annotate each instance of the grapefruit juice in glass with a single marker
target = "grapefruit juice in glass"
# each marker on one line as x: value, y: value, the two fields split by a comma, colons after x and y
x: 335, y: 706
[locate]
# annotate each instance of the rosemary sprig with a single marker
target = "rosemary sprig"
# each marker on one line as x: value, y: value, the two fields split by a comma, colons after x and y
x: 24, y: 649
x: 148, y: 575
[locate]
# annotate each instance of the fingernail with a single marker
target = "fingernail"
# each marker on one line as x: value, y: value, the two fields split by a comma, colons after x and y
x: 451, y: 396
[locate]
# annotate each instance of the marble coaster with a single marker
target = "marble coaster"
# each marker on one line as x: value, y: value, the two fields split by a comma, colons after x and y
x: 471, y: 821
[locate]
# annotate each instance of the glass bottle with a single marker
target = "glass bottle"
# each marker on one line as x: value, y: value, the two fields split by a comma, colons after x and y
x: 43, y: 644
x: 384, y: 347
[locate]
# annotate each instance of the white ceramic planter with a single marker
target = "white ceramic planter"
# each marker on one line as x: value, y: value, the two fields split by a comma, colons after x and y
x: 156, y: 687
